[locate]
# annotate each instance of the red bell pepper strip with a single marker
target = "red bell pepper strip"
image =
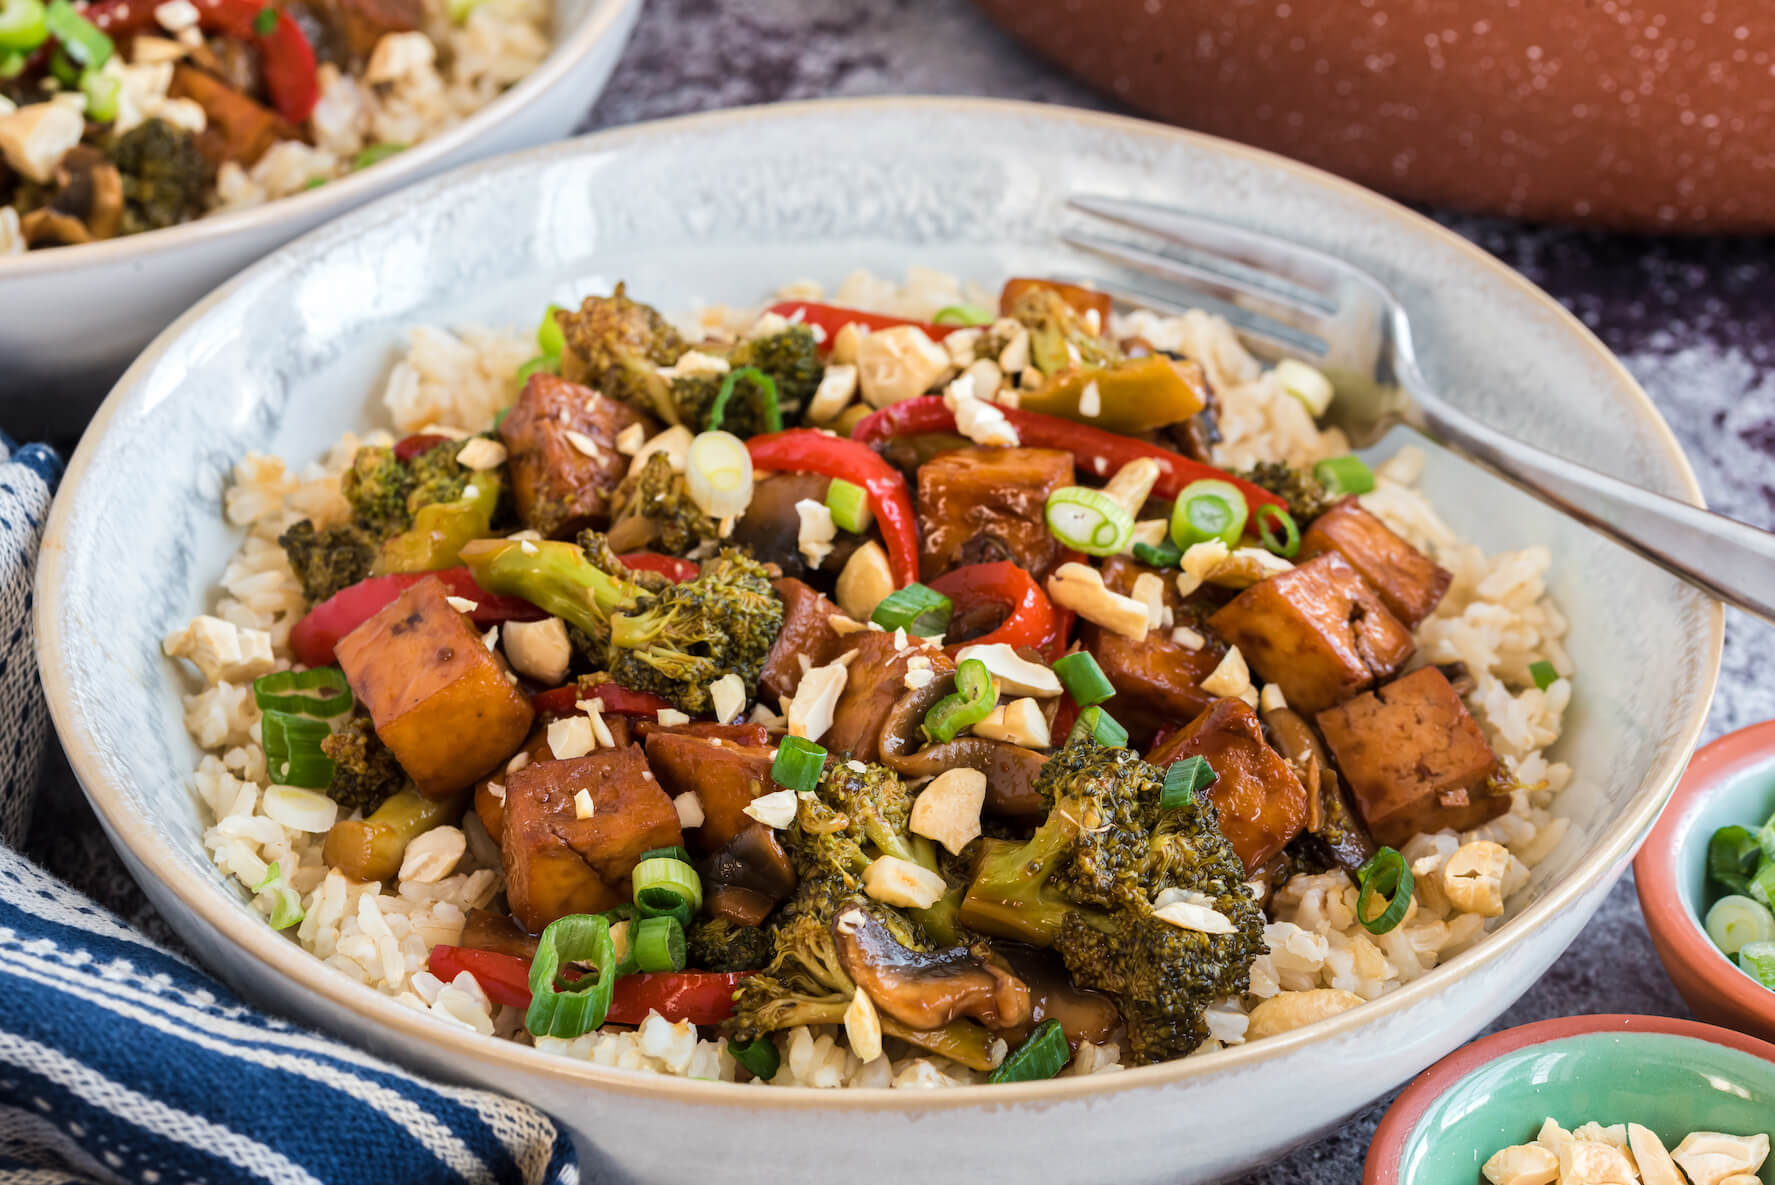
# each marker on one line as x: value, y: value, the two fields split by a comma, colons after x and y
x: 285, y: 55
x: 1095, y: 451
x: 669, y: 566
x: 808, y: 450
x: 700, y: 997
x: 830, y: 318
x: 564, y: 701
x: 1031, y: 618
x: 505, y: 978
x: 408, y: 447
x: 314, y: 637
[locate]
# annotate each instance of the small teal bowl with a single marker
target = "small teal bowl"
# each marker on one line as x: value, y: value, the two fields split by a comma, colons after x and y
x: 1673, y: 1076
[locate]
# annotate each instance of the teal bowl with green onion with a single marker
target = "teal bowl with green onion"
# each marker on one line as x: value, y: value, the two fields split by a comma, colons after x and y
x: 1706, y: 875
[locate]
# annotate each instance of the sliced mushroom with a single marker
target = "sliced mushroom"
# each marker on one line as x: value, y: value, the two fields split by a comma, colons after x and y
x: 1332, y: 822
x: 742, y: 907
x: 753, y: 860
x: 47, y: 228
x: 1010, y: 770
x: 927, y: 990
x: 771, y: 527
x: 1084, y: 1015
x: 486, y: 930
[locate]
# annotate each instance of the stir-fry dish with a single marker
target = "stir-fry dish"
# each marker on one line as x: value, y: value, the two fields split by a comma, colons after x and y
x: 1741, y: 920
x: 1627, y: 1154
x: 896, y: 692
x: 123, y: 116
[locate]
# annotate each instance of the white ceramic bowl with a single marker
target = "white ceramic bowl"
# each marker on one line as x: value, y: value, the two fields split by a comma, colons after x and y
x: 71, y: 318
x: 720, y: 208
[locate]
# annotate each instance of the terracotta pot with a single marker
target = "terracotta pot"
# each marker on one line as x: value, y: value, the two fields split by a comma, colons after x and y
x: 1651, y: 115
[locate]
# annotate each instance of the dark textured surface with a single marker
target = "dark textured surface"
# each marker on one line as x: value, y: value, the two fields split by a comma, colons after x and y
x: 1693, y: 319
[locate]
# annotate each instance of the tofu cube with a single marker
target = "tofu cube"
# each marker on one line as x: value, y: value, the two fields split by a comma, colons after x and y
x: 1409, y: 583
x: 807, y: 630
x: 564, y: 461
x: 724, y: 777
x: 981, y: 505
x: 1262, y: 803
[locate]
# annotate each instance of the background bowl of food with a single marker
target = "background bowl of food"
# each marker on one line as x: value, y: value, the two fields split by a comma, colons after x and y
x: 1586, y: 1098
x: 1584, y: 681
x: 1703, y: 887
x: 149, y: 151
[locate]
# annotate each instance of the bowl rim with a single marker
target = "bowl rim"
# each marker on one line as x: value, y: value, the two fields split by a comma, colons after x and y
x: 205, y: 898
x: 328, y: 201
x: 1402, y: 1118
x: 1655, y: 871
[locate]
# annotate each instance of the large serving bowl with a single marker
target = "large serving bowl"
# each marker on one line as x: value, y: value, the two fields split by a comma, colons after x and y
x: 720, y: 208
x: 71, y: 318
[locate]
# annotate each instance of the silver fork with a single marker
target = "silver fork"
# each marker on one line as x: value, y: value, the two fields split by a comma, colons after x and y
x: 1288, y: 299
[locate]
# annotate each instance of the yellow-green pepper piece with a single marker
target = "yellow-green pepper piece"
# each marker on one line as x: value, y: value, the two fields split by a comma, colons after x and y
x: 441, y: 530
x: 1134, y: 396
x: 372, y: 849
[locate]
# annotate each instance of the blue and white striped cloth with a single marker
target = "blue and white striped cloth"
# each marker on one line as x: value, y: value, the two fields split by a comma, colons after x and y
x: 122, y: 1062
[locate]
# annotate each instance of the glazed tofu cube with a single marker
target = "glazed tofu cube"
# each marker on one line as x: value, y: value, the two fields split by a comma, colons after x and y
x: 360, y: 24
x: 980, y: 505
x: 807, y: 630
x: 1410, y: 584
x: 1318, y: 631
x: 1262, y: 803
x: 874, y: 683
x: 1414, y: 758
x: 559, y: 860
x: 724, y: 777
x: 446, y: 705
x: 564, y: 463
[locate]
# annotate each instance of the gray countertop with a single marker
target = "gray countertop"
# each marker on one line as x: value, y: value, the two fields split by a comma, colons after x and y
x: 1694, y: 320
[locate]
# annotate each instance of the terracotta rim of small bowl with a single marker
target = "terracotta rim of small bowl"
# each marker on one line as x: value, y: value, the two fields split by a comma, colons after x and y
x: 1655, y: 877
x: 1388, y: 1146
x: 348, y: 192
x: 210, y: 902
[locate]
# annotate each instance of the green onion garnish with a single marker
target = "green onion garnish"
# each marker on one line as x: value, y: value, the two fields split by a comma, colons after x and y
x: 23, y: 26
x: 1100, y: 726
x: 680, y: 854
x: 1043, y: 1054
x: 64, y: 70
x: 13, y: 62
x: 1089, y: 520
x: 667, y: 887
x: 658, y: 943
x: 798, y: 764
x: 1083, y: 679
x: 849, y: 504
x: 1735, y: 922
x: 286, y: 909
x: 1344, y: 475
x: 1161, y: 555
x: 293, y: 755
x: 321, y: 692
x: 767, y: 386
x: 759, y: 1056
x: 101, y: 91
x: 1288, y: 545
x: 1732, y: 856
x: 1207, y: 510
x: 1387, y: 874
x: 1183, y: 780
x: 971, y: 702
x: 375, y: 154
x: 1762, y: 885
x: 82, y: 40
x: 1543, y: 674
x: 564, y: 1008
x: 314, y: 182
x: 1758, y: 961
x: 962, y: 314
x: 917, y: 609
x: 551, y: 339
x: 541, y: 364
x: 265, y: 22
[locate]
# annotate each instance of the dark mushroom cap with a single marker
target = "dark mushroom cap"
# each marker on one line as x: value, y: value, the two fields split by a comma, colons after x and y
x: 1011, y: 770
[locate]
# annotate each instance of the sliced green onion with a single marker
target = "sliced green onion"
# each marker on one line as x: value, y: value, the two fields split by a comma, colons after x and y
x: 315, y: 182
x: 1288, y: 545
x: 541, y: 364
x: 773, y: 414
x: 82, y: 40
x: 1089, y: 520
x: 667, y: 887
x: 458, y: 10
x: 1762, y: 885
x: 551, y: 339
x: 265, y: 21
x: 658, y: 943
x: 375, y: 154
x: 293, y: 755
x: 917, y: 609
x: 1161, y: 555
x: 1732, y: 858
x: 569, y: 1008
x: 1043, y: 1054
x: 1735, y: 922
x: 1543, y: 674
x: 1757, y: 960
x: 971, y: 702
x: 23, y: 26
x: 798, y: 764
x: 321, y: 692
x: 1208, y: 510
x: 759, y: 1056
x: 1344, y: 475
x: 849, y: 504
x: 962, y: 314
x: 101, y: 91
x: 286, y: 908
x: 1387, y: 874
x: 1183, y: 780
x: 64, y: 69
x: 1101, y: 727
x: 680, y: 854
x: 1083, y: 679
x: 13, y: 62
x: 718, y: 473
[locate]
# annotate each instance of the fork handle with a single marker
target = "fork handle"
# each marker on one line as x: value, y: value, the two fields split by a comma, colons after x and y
x: 1732, y: 560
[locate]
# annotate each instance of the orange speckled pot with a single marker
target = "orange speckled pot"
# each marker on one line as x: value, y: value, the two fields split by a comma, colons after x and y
x: 1647, y: 114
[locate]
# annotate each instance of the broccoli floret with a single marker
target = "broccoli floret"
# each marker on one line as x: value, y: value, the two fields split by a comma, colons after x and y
x: 717, y: 944
x: 164, y: 176
x: 1086, y: 884
x: 328, y: 559
x: 617, y: 345
x: 662, y: 495
x: 365, y: 771
x: 804, y: 983
x: 791, y: 357
x: 437, y: 476
x: 1307, y: 499
x: 377, y: 485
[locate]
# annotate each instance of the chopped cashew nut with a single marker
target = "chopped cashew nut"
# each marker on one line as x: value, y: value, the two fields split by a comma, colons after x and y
x: 985, y: 376
x: 570, y: 737
x: 433, y: 855
x: 1016, y: 674
x: 817, y: 531
x: 1270, y: 699
x: 865, y: 581
x: 1306, y: 384
x: 1149, y: 590
x: 674, y: 442
x: 1133, y: 484
x: 694, y: 362
x: 810, y: 712
x: 630, y: 439
x: 481, y: 453
x: 1473, y: 878
x: 690, y: 810
x: 775, y: 810
x: 461, y: 604
x: 34, y: 138
x: 1246, y: 566
x: 1231, y: 678
x: 583, y: 806
x: 1080, y: 587
x: 1014, y: 358
x: 1290, y: 1010
x: 1711, y: 1158
x: 1020, y: 722
x: 1594, y: 1162
x: 894, y: 881
x: 539, y: 649
x: 1189, y: 910
x: 1198, y: 562
x: 671, y: 717
x: 897, y: 364
x: 223, y: 651
x: 1655, y: 1165
x: 948, y: 809
x: 1189, y: 639
x: 847, y: 343
x: 729, y: 696
x: 1522, y: 1164
x: 838, y: 386
x: 862, y: 1027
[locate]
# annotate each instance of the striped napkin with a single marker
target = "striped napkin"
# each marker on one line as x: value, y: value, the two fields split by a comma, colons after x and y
x: 122, y: 1062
